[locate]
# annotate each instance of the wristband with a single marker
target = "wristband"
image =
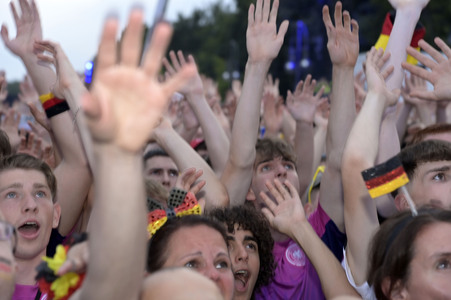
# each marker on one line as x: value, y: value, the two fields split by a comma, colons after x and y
x: 53, y: 106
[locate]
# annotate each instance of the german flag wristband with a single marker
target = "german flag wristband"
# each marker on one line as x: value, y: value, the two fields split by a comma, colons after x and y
x: 52, y: 105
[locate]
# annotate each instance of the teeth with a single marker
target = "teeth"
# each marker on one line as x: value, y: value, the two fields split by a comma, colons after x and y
x: 31, y: 224
x: 241, y: 272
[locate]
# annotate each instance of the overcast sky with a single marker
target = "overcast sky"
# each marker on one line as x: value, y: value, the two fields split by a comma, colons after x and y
x: 76, y: 25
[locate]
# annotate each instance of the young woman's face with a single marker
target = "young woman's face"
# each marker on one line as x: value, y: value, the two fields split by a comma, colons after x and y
x: 430, y: 268
x: 243, y: 249
x: 204, y: 250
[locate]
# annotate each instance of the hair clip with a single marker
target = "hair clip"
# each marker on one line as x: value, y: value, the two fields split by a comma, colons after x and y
x: 180, y: 203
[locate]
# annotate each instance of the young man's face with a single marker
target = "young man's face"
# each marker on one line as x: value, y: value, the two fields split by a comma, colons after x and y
x: 26, y: 203
x: 268, y: 170
x: 163, y: 170
x: 431, y: 184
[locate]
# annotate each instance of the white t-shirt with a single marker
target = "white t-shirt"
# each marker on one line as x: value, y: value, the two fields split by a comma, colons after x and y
x: 365, y: 291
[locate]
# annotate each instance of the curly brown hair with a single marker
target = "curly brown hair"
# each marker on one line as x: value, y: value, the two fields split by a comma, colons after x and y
x: 246, y: 217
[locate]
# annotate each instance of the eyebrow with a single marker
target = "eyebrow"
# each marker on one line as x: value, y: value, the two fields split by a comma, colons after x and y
x: 40, y: 186
x: 264, y: 161
x: 14, y: 185
x: 250, y: 238
x: 440, y: 169
x: 223, y: 254
x: 441, y: 255
x: 198, y: 253
x: 230, y: 238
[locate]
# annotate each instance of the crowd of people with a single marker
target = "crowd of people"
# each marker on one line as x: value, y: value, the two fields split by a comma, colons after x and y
x: 184, y: 196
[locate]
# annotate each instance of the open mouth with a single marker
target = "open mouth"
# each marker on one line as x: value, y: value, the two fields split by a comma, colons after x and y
x: 29, y: 229
x: 241, y: 279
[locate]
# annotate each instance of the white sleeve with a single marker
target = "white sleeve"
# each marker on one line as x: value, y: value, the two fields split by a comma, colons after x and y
x: 365, y: 291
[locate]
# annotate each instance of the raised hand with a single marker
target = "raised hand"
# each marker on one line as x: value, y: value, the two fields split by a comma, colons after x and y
x: 262, y: 39
x: 285, y: 212
x: 77, y: 259
x: 440, y: 70
x: 51, y: 52
x: 31, y: 145
x: 127, y: 101
x: 343, y: 38
x: 28, y: 25
x: 376, y: 78
x: 195, y: 85
x: 187, y: 180
x: 303, y: 103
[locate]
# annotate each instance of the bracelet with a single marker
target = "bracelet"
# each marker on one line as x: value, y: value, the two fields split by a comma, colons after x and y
x: 53, y: 106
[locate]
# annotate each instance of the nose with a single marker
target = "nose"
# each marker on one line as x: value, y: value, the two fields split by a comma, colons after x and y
x: 29, y: 204
x: 281, y: 171
x: 165, y: 179
x: 212, y: 273
x: 241, y: 254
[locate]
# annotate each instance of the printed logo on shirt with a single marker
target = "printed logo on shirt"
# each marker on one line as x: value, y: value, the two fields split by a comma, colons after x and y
x: 295, y: 255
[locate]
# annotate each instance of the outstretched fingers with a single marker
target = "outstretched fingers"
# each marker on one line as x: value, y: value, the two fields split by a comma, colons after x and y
x: 157, y: 48
x: 107, y: 48
x: 179, y: 79
x: 338, y: 15
x: 435, y: 54
x: 132, y: 41
x: 443, y: 46
x: 274, y: 10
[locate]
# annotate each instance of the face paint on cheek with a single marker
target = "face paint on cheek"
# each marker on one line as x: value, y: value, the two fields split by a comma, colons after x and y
x: 5, y: 265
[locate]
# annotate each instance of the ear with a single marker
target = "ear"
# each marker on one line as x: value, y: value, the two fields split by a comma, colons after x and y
x: 308, y: 209
x: 56, y: 215
x: 398, y: 291
x: 250, y: 195
x: 401, y: 202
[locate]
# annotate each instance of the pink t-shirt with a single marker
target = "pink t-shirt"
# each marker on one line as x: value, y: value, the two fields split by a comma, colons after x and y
x: 294, y: 276
x: 27, y: 292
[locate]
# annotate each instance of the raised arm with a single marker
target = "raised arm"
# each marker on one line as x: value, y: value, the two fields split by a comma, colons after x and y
x: 263, y: 45
x: 360, y: 153
x: 407, y: 15
x: 302, y: 105
x: 215, y: 137
x: 124, y: 98
x: 287, y: 216
x: 343, y: 46
x: 72, y: 173
x: 185, y: 157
